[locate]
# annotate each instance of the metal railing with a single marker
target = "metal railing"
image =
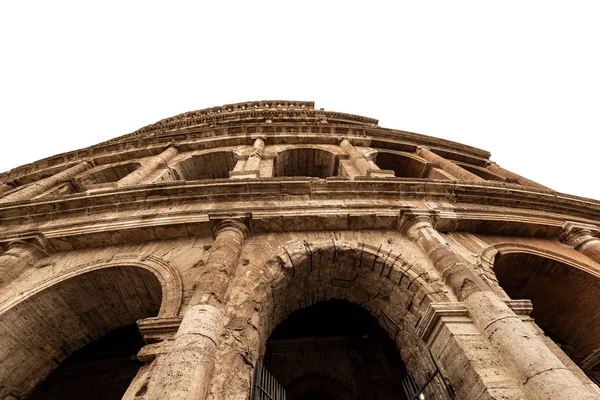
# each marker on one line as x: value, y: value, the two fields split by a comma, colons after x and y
x: 265, y: 385
x: 433, y: 386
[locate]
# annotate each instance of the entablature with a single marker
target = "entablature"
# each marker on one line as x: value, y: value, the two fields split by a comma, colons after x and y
x: 162, y: 211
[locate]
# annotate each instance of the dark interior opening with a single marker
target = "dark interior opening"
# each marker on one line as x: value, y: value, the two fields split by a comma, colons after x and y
x: 334, y: 350
x: 403, y: 165
x: 213, y: 165
x: 307, y: 162
x: 102, y: 370
x: 113, y: 173
x: 563, y: 299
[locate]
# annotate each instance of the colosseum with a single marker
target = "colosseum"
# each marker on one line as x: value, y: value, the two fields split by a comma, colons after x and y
x: 272, y: 250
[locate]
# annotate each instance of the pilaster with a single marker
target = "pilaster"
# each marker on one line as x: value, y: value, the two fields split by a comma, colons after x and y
x: 252, y: 166
x: 541, y: 373
x: 469, y: 361
x: 148, y: 167
x: 361, y: 164
x: 20, y: 255
x: 43, y: 185
x: 583, y: 238
x: 187, y: 368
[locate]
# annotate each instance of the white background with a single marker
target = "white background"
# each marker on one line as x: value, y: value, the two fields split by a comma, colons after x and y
x: 517, y: 78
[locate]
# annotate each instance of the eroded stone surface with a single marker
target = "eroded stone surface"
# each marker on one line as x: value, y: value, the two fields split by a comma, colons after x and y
x: 211, y: 227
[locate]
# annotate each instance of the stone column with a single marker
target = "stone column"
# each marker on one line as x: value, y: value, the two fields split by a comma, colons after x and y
x: 469, y: 361
x: 188, y: 366
x: 364, y: 167
x: 511, y: 176
x: 541, y: 373
x: 251, y: 168
x: 19, y: 256
x: 582, y: 237
x: 148, y: 167
x: 449, y: 167
x: 457, y: 273
x: 42, y: 185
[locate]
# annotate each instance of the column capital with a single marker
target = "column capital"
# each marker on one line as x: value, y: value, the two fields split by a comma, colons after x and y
x: 159, y: 333
x: 221, y: 222
x: 38, y: 245
x: 577, y: 234
x: 342, y: 139
x: 414, y: 218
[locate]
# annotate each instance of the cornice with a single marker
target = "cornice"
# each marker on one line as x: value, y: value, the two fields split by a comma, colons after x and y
x: 180, y: 209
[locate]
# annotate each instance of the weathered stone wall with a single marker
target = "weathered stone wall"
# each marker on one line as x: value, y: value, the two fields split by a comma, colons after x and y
x: 211, y: 227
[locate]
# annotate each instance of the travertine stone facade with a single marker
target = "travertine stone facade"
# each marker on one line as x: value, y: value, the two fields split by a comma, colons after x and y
x: 211, y: 228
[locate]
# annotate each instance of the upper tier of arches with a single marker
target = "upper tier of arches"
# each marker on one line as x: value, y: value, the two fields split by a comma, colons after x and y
x: 279, y: 121
x: 315, y: 160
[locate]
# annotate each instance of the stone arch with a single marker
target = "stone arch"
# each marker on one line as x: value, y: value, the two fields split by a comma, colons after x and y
x: 306, y: 161
x: 206, y: 165
x: 563, y: 292
x: 42, y: 326
x: 108, y: 174
x: 298, y: 260
x: 394, y: 291
x: 404, y: 165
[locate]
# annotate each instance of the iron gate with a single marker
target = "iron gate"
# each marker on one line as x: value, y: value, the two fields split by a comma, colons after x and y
x: 431, y: 387
x: 265, y: 385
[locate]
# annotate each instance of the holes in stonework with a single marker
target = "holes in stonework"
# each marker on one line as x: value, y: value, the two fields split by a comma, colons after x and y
x: 142, y: 391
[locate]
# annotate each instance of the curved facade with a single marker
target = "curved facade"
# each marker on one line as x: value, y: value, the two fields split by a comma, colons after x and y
x: 269, y: 247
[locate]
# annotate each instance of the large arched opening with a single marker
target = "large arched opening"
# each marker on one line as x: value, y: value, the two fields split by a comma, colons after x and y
x: 404, y: 165
x: 111, y: 173
x: 309, y: 162
x: 41, y: 335
x: 211, y: 165
x: 334, y: 350
x: 379, y: 296
x: 564, y: 297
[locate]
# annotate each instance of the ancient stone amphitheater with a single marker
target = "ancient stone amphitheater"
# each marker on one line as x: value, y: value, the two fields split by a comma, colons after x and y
x: 270, y: 249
